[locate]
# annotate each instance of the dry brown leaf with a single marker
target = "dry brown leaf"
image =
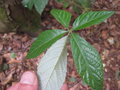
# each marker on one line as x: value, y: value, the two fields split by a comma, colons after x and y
x: 118, y: 84
x: 7, y: 55
x: 75, y: 87
x: 14, y: 61
x: 1, y: 46
x: 117, y: 12
x: 7, y: 79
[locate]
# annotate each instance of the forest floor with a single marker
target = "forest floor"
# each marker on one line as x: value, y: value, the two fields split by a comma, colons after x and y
x: 104, y: 37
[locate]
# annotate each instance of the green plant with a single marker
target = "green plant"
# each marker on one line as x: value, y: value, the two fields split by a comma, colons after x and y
x: 53, y: 66
x: 76, y: 4
x: 38, y: 4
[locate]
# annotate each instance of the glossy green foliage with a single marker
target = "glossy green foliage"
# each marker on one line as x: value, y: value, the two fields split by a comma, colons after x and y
x: 87, y: 61
x: 91, y: 18
x: 38, y: 4
x: 62, y: 16
x: 44, y: 41
x: 28, y: 3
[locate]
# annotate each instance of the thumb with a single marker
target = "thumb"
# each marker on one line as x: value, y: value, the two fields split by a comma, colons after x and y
x: 28, y: 82
x: 64, y: 87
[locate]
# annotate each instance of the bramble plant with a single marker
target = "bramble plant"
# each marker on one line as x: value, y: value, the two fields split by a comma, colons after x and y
x: 53, y: 66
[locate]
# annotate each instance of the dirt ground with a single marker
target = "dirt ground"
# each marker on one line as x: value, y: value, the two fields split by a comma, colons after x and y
x: 105, y: 37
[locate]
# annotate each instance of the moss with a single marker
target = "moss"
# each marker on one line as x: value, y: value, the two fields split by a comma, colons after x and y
x: 3, y: 15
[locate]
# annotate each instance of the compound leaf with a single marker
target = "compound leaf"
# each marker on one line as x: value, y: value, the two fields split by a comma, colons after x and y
x: 62, y: 16
x: 87, y: 61
x: 53, y: 66
x: 91, y: 18
x: 44, y: 41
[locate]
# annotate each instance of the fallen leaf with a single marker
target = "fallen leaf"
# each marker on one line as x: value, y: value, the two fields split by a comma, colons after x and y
x: 107, y: 87
x: 104, y: 34
x: 111, y: 40
x: 75, y: 87
x: 97, y: 46
x: 118, y: 84
x: 1, y: 46
x: 14, y: 61
x: 7, y: 55
x: 7, y: 79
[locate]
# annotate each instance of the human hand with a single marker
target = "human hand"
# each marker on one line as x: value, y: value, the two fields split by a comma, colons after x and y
x: 29, y: 81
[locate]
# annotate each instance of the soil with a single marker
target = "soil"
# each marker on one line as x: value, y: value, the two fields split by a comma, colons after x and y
x: 105, y: 37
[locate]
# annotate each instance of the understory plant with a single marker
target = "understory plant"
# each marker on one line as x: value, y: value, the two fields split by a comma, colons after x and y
x: 78, y: 5
x: 52, y: 67
x: 40, y: 5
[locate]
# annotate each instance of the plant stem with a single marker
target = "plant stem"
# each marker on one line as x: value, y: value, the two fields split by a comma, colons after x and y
x: 70, y: 31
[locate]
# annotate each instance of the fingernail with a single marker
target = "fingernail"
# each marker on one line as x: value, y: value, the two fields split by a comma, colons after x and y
x: 28, y: 78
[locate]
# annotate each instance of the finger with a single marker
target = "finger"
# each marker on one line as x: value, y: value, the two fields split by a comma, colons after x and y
x: 29, y: 78
x: 14, y: 87
x: 28, y: 82
x: 64, y: 87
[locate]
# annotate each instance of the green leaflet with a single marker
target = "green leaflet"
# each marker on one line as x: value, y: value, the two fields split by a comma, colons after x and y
x: 39, y: 4
x: 53, y: 66
x: 62, y: 16
x: 91, y: 18
x: 87, y: 61
x: 28, y: 3
x: 44, y: 41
